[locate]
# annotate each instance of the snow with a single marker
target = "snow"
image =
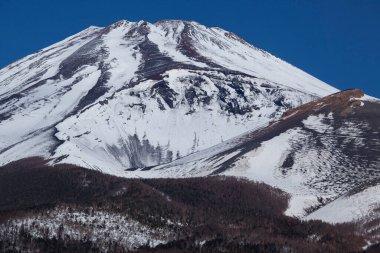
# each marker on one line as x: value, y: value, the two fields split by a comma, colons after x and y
x: 196, y: 164
x: 348, y: 208
x: 167, y: 39
x: 369, y: 98
x: 98, y: 226
x: 173, y: 129
x: 318, y: 123
x: 298, y: 202
x: 123, y: 58
x: 315, y: 177
x: 17, y: 76
x: 262, y: 164
x: 233, y: 54
x: 46, y: 109
x: 44, y: 121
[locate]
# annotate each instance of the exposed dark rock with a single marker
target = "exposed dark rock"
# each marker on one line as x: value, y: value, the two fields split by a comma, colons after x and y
x: 167, y: 94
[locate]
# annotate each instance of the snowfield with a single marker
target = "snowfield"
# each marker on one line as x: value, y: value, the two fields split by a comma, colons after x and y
x: 349, y: 208
x: 136, y: 94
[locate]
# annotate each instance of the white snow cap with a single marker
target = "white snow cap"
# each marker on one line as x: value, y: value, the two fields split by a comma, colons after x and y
x: 92, y: 98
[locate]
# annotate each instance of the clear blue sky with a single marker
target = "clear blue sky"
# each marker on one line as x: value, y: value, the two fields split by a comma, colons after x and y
x: 338, y: 41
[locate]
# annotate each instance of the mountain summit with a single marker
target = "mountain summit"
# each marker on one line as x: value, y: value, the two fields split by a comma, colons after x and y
x: 136, y: 94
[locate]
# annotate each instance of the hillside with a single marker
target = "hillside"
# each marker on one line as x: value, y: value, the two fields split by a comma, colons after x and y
x: 317, y: 152
x: 71, y: 209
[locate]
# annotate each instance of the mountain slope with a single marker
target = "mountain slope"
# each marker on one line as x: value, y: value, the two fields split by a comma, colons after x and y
x: 137, y: 94
x: 317, y: 152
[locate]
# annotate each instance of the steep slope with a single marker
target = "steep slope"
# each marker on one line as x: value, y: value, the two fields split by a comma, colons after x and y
x: 317, y: 152
x: 137, y: 94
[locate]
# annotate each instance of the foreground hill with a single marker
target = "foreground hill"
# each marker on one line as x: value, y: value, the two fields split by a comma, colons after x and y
x: 71, y: 209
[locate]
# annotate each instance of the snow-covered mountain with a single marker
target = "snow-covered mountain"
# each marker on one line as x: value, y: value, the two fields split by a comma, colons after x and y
x: 177, y: 99
x: 325, y: 154
x: 136, y: 94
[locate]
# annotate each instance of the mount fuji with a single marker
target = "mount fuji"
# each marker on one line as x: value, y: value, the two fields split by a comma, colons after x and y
x: 206, y: 134
x: 136, y: 94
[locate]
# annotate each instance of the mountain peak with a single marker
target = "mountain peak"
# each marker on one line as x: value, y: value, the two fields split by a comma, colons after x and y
x: 169, y: 23
x: 166, y: 23
x: 119, y: 23
x: 137, y: 94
